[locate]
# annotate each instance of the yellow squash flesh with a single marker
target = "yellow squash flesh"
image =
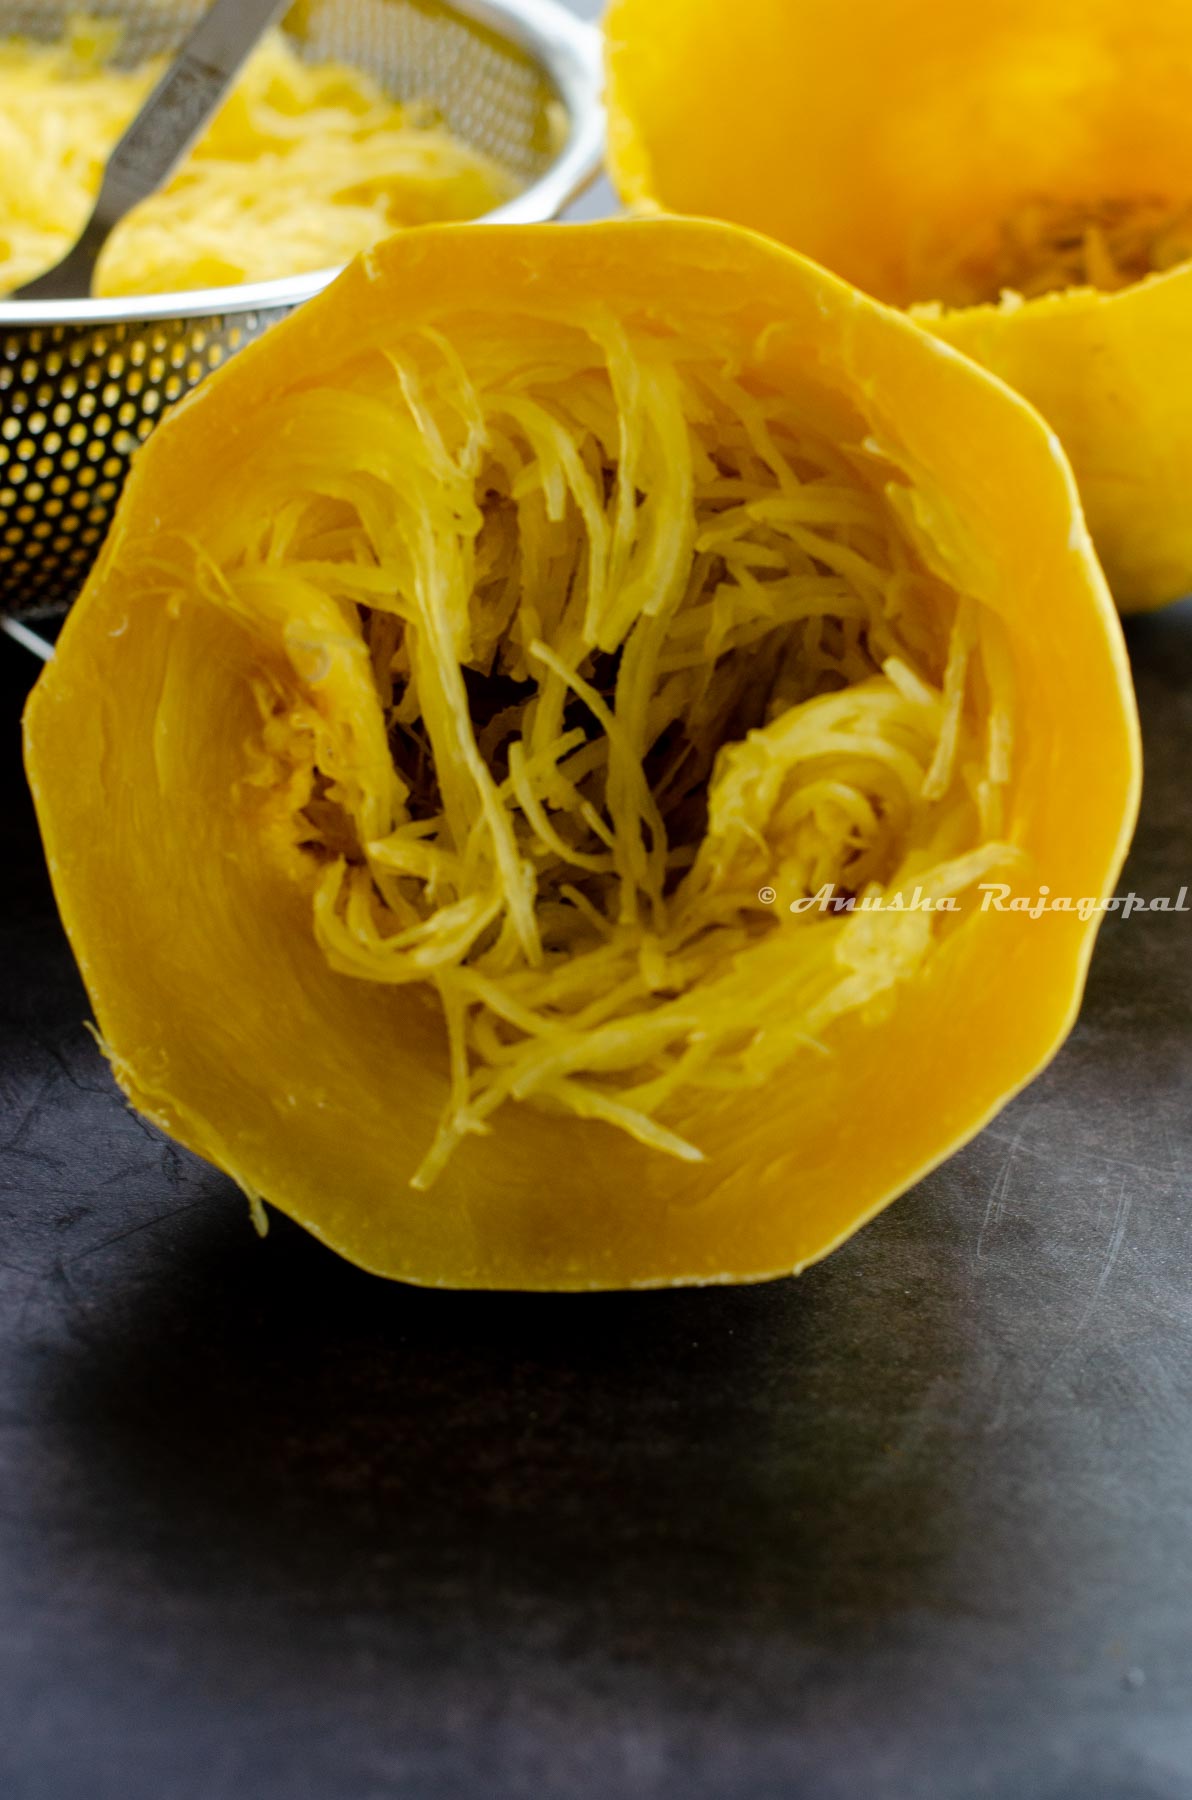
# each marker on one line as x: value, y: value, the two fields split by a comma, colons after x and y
x: 940, y: 157
x: 489, y: 998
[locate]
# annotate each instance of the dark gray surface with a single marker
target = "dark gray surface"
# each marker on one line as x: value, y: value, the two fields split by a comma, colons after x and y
x: 916, y: 1525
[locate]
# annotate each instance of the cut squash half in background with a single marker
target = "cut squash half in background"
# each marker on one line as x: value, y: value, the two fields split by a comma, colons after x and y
x: 1018, y: 172
x: 527, y: 775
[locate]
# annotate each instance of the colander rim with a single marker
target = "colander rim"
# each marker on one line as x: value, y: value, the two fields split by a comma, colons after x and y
x: 569, y: 51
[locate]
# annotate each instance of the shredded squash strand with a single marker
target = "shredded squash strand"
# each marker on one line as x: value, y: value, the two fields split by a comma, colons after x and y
x: 1050, y: 247
x: 586, y: 660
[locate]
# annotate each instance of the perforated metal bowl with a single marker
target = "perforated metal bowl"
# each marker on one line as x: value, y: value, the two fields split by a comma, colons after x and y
x: 82, y: 384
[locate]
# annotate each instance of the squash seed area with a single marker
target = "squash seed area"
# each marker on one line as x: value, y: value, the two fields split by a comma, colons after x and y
x: 582, y: 658
x: 1050, y: 247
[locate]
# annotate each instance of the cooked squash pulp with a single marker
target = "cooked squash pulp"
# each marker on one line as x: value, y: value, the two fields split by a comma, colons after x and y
x: 576, y: 642
x: 305, y: 164
x: 1051, y: 247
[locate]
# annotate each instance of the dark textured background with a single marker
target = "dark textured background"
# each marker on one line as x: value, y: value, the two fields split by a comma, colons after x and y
x: 917, y: 1525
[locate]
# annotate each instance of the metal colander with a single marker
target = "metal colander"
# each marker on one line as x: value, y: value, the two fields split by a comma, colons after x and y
x: 83, y: 383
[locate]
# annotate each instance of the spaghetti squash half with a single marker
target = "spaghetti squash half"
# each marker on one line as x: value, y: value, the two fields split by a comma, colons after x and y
x: 525, y: 778
x: 1016, y: 172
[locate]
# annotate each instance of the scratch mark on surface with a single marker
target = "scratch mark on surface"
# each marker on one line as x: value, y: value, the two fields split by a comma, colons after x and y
x: 1098, y: 1158
x: 1030, y: 1391
x: 142, y: 1225
x: 1117, y: 1238
x: 998, y: 1192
